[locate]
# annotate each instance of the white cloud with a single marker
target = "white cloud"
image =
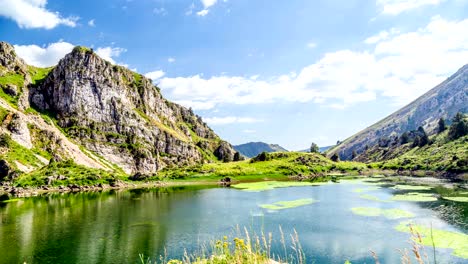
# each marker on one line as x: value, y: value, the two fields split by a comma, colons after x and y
x: 400, y: 66
x: 108, y: 53
x: 230, y: 120
x: 395, y: 7
x: 155, y: 75
x: 190, y: 10
x: 382, y: 35
x: 208, y: 3
x: 311, y: 45
x: 171, y: 60
x: 43, y: 56
x: 33, y: 14
x: 50, y: 55
x: 91, y: 23
x: 203, y: 12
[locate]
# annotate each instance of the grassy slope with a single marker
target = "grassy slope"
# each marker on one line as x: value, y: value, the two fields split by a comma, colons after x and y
x: 440, y: 155
x: 278, y: 165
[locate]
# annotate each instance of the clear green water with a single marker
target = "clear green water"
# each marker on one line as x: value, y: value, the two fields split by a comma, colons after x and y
x: 114, y: 227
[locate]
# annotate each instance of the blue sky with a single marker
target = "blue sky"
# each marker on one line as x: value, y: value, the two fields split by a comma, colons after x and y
x: 286, y: 72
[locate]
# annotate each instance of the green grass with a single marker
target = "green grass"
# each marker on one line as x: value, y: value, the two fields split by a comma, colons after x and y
x: 14, y: 79
x: 38, y: 74
x: 278, y: 165
x: 411, y: 187
x: 74, y: 174
x: 15, y: 152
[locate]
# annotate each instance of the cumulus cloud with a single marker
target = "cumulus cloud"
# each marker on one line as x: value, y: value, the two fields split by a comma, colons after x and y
x: 230, y: 120
x: 33, y: 14
x: 50, y: 55
x: 109, y: 53
x: 91, y: 23
x: 203, y: 12
x: 155, y: 75
x: 395, y: 7
x: 400, y: 66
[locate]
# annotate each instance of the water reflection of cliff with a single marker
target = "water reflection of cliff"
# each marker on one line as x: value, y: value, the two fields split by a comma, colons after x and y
x: 106, y: 227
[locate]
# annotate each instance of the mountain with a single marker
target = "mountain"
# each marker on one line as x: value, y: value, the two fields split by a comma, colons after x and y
x: 321, y: 149
x: 252, y: 149
x: 97, y: 114
x: 443, y: 101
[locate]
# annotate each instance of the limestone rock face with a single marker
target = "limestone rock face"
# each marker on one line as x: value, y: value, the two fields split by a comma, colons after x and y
x: 122, y: 116
x: 9, y: 60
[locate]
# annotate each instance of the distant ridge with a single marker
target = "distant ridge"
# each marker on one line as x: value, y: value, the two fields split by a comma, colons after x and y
x: 252, y: 149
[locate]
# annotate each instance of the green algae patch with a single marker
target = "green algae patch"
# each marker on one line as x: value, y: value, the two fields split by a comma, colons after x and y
x: 460, y: 199
x: 415, y: 197
x: 11, y: 200
x: 412, y: 187
x: 368, y: 189
x: 372, y: 198
x: 440, y: 238
x: 269, y: 185
x: 287, y: 204
x: 388, y: 213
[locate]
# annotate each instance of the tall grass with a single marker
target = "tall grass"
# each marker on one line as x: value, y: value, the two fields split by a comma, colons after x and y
x: 243, y: 248
x: 257, y: 249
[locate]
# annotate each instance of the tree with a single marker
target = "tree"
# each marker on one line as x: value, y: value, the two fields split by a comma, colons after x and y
x: 354, y: 154
x: 335, y: 157
x: 416, y: 140
x: 442, y: 127
x: 459, y: 127
x: 314, y: 148
x: 423, y: 139
x: 404, y: 138
x: 237, y: 156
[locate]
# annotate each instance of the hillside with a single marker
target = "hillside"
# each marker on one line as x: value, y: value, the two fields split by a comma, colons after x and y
x: 98, y: 115
x: 252, y: 149
x: 444, y: 100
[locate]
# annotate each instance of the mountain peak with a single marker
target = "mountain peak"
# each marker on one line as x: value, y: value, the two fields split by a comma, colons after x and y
x: 9, y: 59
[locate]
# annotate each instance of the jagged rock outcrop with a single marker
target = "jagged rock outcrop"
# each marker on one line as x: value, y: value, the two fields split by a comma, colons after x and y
x: 445, y: 100
x: 121, y: 116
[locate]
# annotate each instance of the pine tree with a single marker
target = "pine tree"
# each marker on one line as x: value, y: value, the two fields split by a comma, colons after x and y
x: 404, y: 138
x: 335, y: 157
x: 442, y: 127
x: 459, y: 127
x: 423, y: 139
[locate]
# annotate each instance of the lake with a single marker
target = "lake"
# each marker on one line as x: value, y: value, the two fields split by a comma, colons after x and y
x: 117, y: 226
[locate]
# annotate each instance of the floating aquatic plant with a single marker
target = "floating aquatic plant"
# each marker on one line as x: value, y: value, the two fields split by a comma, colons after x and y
x: 287, y: 204
x: 269, y: 185
x: 12, y: 200
x: 372, y: 198
x: 412, y: 187
x: 439, y: 238
x: 388, y: 213
x: 361, y: 190
x: 457, y: 199
x: 415, y: 197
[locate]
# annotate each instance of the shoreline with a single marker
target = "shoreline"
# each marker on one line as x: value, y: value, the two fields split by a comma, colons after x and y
x: 418, y: 177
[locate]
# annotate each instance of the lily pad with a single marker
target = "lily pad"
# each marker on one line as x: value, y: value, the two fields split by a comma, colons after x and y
x: 457, y: 199
x: 287, y: 204
x: 440, y: 238
x: 388, y: 213
x: 415, y: 197
x: 412, y: 187
x: 372, y: 198
x: 269, y: 185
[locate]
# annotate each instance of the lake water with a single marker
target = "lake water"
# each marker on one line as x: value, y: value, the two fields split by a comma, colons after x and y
x: 117, y: 226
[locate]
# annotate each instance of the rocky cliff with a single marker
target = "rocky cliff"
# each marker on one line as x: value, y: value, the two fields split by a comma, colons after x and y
x: 100, y: 115
x: 445, y: 100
